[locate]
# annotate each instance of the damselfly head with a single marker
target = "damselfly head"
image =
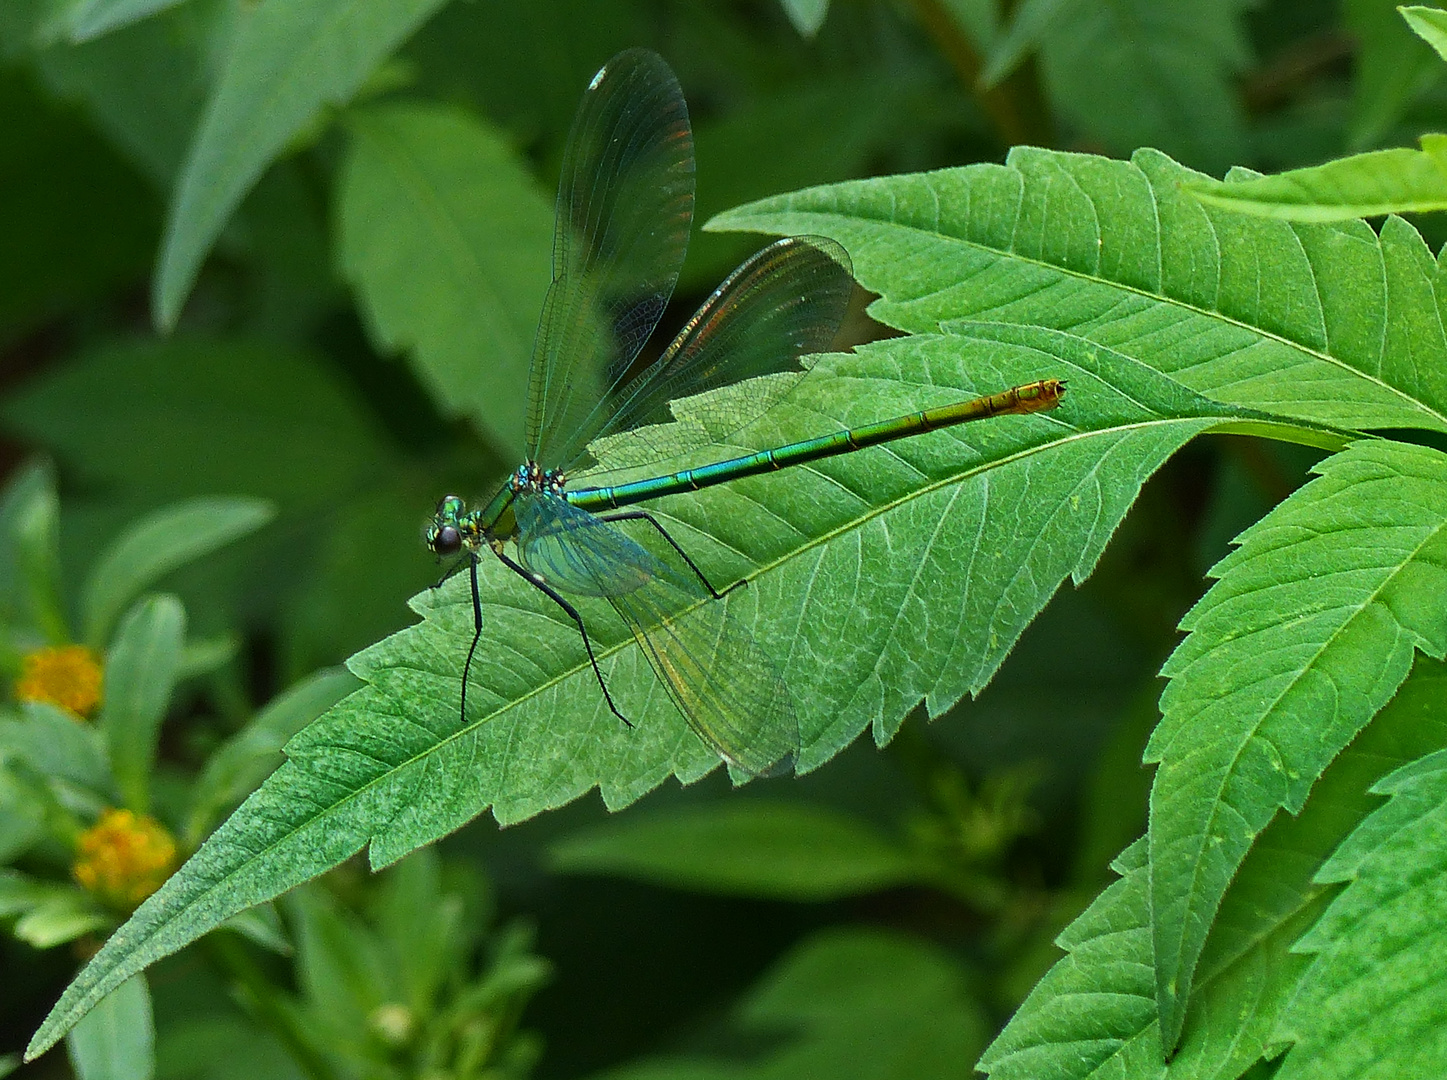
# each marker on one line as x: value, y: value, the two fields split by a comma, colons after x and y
x: 447, y: 532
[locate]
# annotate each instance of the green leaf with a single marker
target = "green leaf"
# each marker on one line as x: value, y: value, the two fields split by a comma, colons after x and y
x: 1380, y: 182
x: 262, y: 926
x: 27, y: 492
x: 769, y: 848
x: 1094, y: 1015
x: 1030, y: 21
x: 64, y: 914
x: 806, y: 15
x: 1374, y: 988
x: 1323, y: 322
x: 286, y: 63
x: 1429, y: 24
x: 1152, y: 73
x: 249, y: 756
x: 447, y: 239
x: 140, y: 673
x: 960, y: 535
x: 58, y: 746
x: 116, y: 1040
x: 34, y: 528
x: 157, y: 544
x: 144, y: 85
x: 1309, y: 631
x: 92, y: 18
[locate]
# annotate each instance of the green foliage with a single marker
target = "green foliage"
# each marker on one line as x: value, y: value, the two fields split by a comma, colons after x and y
x: 352, y: 211
x: 439, y: 270
x: 285, y: 63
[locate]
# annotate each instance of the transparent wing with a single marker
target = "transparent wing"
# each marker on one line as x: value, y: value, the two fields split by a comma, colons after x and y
x: 719, y: 679
x: 784, y: 302
x: 625, y: 205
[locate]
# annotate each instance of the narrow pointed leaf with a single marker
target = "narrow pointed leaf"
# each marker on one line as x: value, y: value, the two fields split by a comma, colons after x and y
x: 1324, y: 322
x: 140, y: 673
x: 1309, y: 631
x: 877, y: 581
x: 446, y: 238
x: 287, y: 61
x: 156, y: 545
x: 1094, y: 1014
x: 1396, y: 181
x: 806, y: 15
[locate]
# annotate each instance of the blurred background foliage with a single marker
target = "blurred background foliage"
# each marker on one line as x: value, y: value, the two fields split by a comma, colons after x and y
x: 322, y: 365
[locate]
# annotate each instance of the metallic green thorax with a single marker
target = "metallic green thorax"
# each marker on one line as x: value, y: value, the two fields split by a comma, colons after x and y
x: 1033, y: 397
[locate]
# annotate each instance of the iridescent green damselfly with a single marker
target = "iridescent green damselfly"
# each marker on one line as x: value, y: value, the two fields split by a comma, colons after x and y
x: 625, y: 207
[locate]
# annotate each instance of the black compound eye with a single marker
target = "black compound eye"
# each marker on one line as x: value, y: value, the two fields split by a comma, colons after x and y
x: 448, y: 541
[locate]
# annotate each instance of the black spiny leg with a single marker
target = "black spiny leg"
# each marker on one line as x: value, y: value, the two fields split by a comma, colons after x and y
x: 644, y: 515
x: 476, y: 625
x: 552, y: 594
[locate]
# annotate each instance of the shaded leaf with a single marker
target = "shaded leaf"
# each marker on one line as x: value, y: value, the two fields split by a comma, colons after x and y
x: 1390, y: 66
x: 116, y: 1041
x: 140, y: 673
x: 158, y: 544
x: 447, y: 239
x: 1309, y: 631
x: 806, y: 15
x: 58, y: 746
x: 781, y: 850
x: 27, y: 491
x: 286, y: 62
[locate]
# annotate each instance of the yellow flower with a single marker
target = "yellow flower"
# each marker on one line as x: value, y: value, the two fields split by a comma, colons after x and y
x: 124, y: 857
x: 64, y: 675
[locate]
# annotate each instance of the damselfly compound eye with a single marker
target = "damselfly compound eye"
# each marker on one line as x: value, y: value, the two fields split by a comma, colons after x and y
x: 447, y: 541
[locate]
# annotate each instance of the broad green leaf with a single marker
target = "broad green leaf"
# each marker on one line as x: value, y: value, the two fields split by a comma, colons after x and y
x: 1374, y: 988
x: 1309, y: 631
x: 245, y: 760
x: 1430, y: 24
x: 1390, y: 66
x: 287, y: 62
x: 446, y: 238
x: 22, y: 821
x: 224, y: 1047
x: 881, y: 580
x: 262, y: 926
x: 1324, y: 322
x: 1379, y: 182
x: 1157, y: 73
x: 92, y: 18
x: 1094, y: 1015
x: 116, y: 1041
x: 157, y: 544
x: 806, y: 15
x: 776, y: 849
x: 140, y: 672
